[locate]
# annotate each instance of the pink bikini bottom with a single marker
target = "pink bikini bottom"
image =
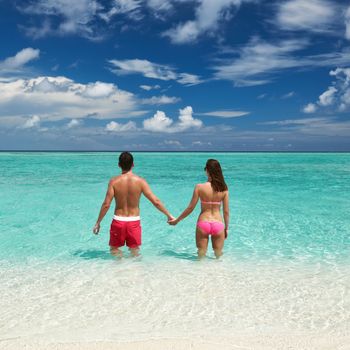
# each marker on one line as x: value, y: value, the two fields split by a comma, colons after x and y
x: 211, y: 227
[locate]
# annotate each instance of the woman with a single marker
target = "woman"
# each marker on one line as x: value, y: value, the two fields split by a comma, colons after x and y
x: 210, y: 223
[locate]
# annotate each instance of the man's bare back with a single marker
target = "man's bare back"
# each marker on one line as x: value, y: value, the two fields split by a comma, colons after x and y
x: 126, y: 189
x: 127, y: 192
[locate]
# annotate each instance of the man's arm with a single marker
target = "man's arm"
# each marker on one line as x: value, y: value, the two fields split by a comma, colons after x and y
x: 226, y: 210
x: 190, y: 207
x: 146, y: 190
x: 104, y: 207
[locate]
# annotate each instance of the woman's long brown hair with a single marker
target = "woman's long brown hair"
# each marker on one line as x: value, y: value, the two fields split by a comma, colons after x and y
x: 213, y: 168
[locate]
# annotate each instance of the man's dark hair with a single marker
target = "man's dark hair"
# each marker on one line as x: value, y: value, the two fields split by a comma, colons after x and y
x: 126, y: 161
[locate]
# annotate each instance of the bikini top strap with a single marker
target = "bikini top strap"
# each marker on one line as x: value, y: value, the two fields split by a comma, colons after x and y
x: 203, y: 202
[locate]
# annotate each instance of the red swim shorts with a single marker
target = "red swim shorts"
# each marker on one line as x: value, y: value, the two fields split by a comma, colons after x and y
x: 125, y: 230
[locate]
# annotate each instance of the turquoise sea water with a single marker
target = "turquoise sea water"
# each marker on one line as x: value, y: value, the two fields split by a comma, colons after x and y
x: 290, y: 206
x: 289, y: 240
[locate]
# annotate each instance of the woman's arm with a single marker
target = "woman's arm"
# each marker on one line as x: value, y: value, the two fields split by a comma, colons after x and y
x: 226, y: 210
x: 190, y: 207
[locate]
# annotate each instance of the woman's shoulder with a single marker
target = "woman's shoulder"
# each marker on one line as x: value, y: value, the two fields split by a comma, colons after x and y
x: 202, y: 185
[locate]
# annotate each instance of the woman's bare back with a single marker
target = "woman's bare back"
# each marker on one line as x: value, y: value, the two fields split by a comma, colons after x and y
x: 210, y: 202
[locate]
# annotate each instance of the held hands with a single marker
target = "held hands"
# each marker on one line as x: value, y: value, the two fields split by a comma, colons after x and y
x: 96, y: 229
x: 172, y: 220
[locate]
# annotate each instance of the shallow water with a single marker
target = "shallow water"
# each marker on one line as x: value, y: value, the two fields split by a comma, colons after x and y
x: 284, y: 266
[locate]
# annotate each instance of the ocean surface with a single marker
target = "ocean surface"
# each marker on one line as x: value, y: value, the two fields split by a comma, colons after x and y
x: 285, y: 266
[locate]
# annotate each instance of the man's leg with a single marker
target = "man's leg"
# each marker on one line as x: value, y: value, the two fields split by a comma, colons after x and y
x: 133, y: 237
x: 135, y: 251
x: 116, y: 251
x: 117, y: 238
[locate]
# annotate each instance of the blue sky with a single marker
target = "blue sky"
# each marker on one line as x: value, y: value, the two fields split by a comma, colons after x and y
x: 201, y: 75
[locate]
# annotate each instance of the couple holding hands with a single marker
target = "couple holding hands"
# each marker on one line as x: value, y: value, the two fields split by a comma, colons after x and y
x: 127, y: 189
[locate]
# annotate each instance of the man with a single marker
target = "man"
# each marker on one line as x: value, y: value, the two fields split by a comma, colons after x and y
x: 126, y: 189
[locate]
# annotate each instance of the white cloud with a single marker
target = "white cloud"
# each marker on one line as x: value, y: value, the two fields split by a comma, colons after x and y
x: 144, y: 67
x: 347, y: 23
x: 226, y: 114
x: 131, y: 8
x: 310, y: 15
x: 172, y: 143
x: 250, y: 82
x: 183, y: 33
x: 92, y: 19
x: 63, y: 17
x: 149, y: 87
x: 19, y: 60
x: 259, y: 61
x: 55, y: 98
x: 152, y: 70
x: 186, y: 120
x: 73, y: 123
x: 288, y: 122
x: 288, y: 95
x: 343, y: 74
x: 201, y: 143
x: 98, y: 90
x: 160, y: 5
x: 337, y: 96
x: 315, y: 126
x: 189, y: 79
x: 48, y: 84
x: 37, y: 32
x: 208, y: 15
x: 341, y: 97
x: 119, y: 127
x: 160, y: 100
x: 31, y: 122
x: 158, y: 123
x: 327, y: 98
x: 161, y: 123
x: 310, y: 108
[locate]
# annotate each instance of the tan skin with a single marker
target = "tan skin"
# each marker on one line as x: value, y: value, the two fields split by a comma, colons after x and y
x: 209, y: 212
x: 126, y: 189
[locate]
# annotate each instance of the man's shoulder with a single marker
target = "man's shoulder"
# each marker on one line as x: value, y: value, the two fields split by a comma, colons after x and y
x: 139, y: 178
x: 135, y: 178
x: 114, y: 178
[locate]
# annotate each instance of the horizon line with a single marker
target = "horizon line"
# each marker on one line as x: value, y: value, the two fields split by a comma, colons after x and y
x: 169, y: 151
